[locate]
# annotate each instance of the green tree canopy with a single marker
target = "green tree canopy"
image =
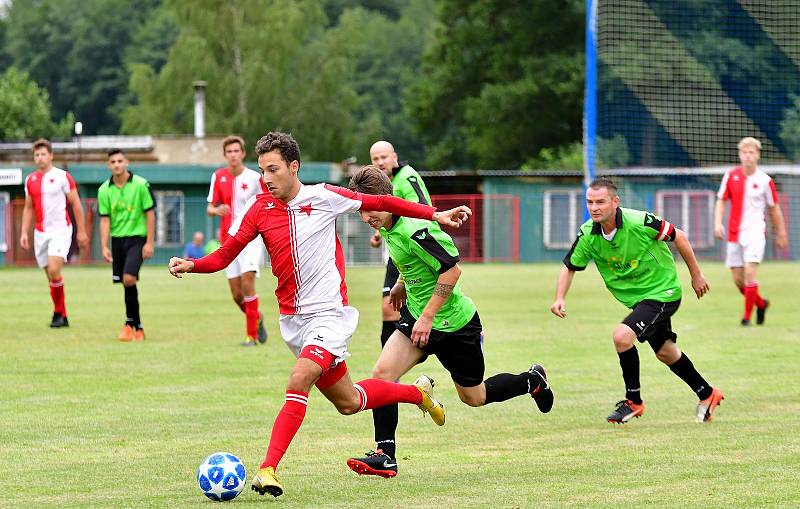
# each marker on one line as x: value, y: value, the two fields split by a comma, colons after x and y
x: 501, y: 81
x: 25, y: 109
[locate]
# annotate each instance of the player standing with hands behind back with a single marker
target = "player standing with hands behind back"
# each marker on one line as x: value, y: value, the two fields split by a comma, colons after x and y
x: 750, y: 192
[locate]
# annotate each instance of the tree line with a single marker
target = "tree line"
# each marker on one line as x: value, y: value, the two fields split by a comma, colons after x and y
x: 452, y: 83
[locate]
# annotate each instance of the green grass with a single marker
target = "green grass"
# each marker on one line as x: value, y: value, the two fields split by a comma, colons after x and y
x: 90, y: 422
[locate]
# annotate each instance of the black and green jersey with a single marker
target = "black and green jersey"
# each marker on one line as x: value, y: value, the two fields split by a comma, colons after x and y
x: 635, y: 264
x: 408, y: 185
x: 126, y: 206
x: 421, y: 251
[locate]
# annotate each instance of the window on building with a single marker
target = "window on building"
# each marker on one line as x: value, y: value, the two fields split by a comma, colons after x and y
x: 169, y: 218
x: 691, y: 211
x: 5, y: 221
x: 563, y: 214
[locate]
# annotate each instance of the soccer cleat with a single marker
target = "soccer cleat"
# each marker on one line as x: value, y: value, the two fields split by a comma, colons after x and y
x: 248, y: 341
x: 745, y: 322
x: 761, y: 313
x: 542, y: 395
x: 429, y: 404
x: 59, y: 320
x: 625, y: 411
x: 138, y: 335
x: 262, y: 331
x: 374, y: 463
x: 266, y: 481
x: 706, y: 407
x: 126, y: 334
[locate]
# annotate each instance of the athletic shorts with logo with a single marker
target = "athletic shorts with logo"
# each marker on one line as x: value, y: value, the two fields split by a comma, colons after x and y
x: 249, y: 260
x: 460, y: 352
x: 127, y: 256
x: 330, y: 330
x: 52, y: 243
x: 651, y: 321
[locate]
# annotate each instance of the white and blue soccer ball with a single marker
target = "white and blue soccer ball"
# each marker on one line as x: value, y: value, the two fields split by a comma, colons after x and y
x: 221, y: 476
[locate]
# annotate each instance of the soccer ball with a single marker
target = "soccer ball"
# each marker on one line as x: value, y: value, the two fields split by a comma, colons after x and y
x: 221, y: 476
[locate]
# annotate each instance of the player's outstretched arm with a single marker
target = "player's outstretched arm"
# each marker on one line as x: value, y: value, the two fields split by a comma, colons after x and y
x: 453, y: 217
x: 699, y: 283
x: 178, y: 266
x: 559, y: 306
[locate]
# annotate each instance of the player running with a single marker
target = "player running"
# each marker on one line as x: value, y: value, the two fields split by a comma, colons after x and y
x: 628, y: 247
x: 436, y: 318
x: 297, y: 224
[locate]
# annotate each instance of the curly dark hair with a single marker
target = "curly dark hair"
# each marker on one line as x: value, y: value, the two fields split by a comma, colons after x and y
x: 282, y: 142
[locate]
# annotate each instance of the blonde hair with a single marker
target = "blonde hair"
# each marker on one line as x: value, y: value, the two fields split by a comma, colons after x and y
x: 749, y: 141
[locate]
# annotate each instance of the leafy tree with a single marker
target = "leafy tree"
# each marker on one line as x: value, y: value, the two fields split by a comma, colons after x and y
x: 75, y: 49
x: 25, y: 109
x: 266, y: 68
x: 501, y: 81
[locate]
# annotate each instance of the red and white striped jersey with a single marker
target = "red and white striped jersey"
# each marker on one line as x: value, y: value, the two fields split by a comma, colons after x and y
x: 49, y: 194
x: 234, y: 192
x: 750, y: 196
x: 301, y: 240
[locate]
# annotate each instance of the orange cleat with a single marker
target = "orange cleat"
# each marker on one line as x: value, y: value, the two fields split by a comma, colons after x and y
x: 707, y: 406
x: 138, y: 335
x: 126, y: 334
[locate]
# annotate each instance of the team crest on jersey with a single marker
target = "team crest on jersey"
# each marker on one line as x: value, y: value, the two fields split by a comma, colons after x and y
x: 223, y: 179
x: 306, y: 209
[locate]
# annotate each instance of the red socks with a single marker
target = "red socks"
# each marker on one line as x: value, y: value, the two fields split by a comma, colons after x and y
x: 751, y: 298
x: 251, y: 313
x: 376, y: 393
x: 57, y: 294
x: 285, y: 428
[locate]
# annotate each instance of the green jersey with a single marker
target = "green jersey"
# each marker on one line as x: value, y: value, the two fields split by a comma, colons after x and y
x: 126, y: 206
x: 408, y: 185
x: 635, y: 263
x: 421, y: 251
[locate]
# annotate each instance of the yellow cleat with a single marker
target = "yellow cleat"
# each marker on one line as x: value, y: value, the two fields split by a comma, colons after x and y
x: 266, y: 481
x: 429, y: 404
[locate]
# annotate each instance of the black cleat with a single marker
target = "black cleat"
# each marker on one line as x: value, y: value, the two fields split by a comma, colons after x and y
x: 761, y: 313
x: 543, y: 394
x: 745, y: 322
x: 374, y: 463
x: 58, y: 321
x: 262, y: 331
x: 625, y: 411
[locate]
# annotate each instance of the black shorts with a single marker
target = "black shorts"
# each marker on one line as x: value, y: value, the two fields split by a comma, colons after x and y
x: 460, y: 352
x: 390, y: 278
x: 650, y: 320
x: 127, y: 255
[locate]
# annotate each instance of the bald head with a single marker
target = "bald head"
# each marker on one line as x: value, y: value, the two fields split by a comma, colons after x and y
x: 383, y: 156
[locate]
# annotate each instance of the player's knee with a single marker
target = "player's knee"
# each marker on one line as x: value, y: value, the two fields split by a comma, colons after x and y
x: 349, y: 407
x: 238, y: 298
x: 128, y: 280
x: 301, y: 380
x: 472, y: 399
x: 382, y: 372
x: 623, y: 338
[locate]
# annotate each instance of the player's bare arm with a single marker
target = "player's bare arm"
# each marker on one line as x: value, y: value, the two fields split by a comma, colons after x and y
x: 454, y: 217
x: 218, y: 210
x: 178, y: 266
x: 778, y: 226
x: 719, y: 212
x: 559, y: 306
x: 444, y: 288
x: 77, y: 208
x: 27, y: 223
x: 397, y: 295
x: 105, y: 234
x: 147, y: 249
x: 699, y: 283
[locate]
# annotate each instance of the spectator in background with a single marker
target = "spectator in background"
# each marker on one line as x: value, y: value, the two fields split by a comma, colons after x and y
x: 195, y: 248
x: 48, y: 191
x: 751, y: 192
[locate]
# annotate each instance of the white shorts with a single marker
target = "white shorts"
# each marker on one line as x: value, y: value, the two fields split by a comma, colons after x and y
x: 331, y: 330
x: 745, y: 251
x: 249, y: 260
x: 55, y: 243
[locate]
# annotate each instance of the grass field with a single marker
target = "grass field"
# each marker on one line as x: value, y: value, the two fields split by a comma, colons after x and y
x: 91, y: 422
